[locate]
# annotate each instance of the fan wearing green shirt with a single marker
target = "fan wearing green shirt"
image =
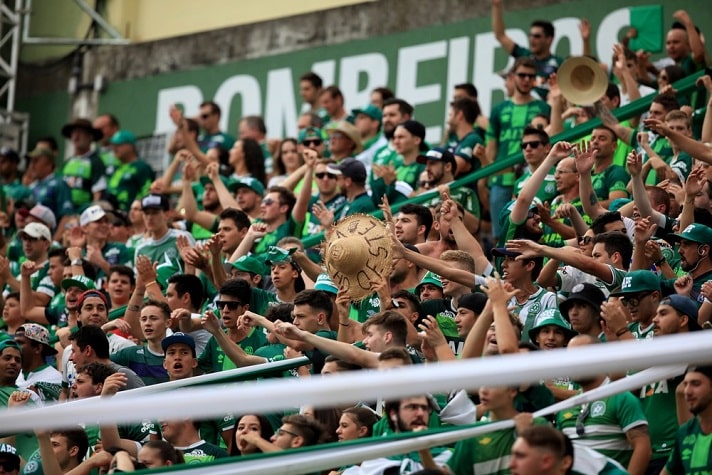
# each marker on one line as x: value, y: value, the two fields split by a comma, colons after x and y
x: 368, y: 122
x: 133, y: 176
x: 395, y: 111
x: 615, y: 426
x: 147, y: 360
x: 535, y: 147
x: 692, y: 454
x: 234, y: 300
x: 351, y: 178
x: 469, y: 149
x: 99, y: 250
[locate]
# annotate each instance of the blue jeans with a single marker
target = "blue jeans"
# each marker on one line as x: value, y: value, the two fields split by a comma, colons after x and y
x: 498, y: 198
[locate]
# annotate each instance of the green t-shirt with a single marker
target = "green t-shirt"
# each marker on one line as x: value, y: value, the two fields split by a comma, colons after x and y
x: 275, y: 352
x: 360, y: 204
x: 131, y: 181
x: 554, y: 239
x: 213, y: 358
x: 164, y: 251
x: 692, y: 454
x: 219, y: 139
x: 640, y: 332
x: 54, y: 193
x: 605, y: 425
x: 261, y: 300
x: 465, y: 148
x: 82, y: 175
x: 529, y: 310
x: 485, y: 454
x: 547, y: 191
x: 612, y: 178
x: 658, y: 402
x: 312, y: 225
x: 147, y: 365
x: 202, y: 452
x: 288, y: 228
x: 507, y: 123
x: 363, y: 310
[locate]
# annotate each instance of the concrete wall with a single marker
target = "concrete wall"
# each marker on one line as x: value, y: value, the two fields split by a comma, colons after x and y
x: 259, y: 39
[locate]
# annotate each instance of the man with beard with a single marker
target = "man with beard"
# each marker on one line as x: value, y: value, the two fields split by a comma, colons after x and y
x: 614, y: 426
x: 691, y: 454
x: 441, y: 167
x: 351, y: 178
x: 405, y: 274
x: 507, y: 122
x: 395, y: 111
x: 695, y: 259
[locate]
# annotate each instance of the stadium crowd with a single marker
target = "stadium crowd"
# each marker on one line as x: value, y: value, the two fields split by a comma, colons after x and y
x: 117, y: 278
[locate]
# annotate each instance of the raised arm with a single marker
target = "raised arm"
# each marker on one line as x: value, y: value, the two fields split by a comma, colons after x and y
x: 706, y: 135
x: 498, y: 27
x: 27, y: 308
x: 688, y: 145
x: 475, y: 341
x: 696, y: 45
x: 559, y: 151
x: 464, y: 239
x: 585, y: 158
x: 192, y: 213
x: 507, y: 341
x: 232, y: 350
x: 299, y: 212
x: 344, y: 351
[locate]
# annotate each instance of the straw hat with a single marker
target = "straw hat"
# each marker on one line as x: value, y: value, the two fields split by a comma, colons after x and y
x: 350, y: 131
x: 358, y: 252
x: 581, y: 80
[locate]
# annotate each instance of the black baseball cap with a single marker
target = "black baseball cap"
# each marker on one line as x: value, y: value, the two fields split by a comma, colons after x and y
x: 349, y: 168
x: 154, y: 201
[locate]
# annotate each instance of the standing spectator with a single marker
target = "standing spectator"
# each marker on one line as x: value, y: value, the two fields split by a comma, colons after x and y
x: 133, y: 176
x: 47, y: 186
x: 84, y: 172
x: 211, y: 135
x: 368, y: 123
x: 507, y: 122
x: 332, y: 101
x: 108, y: 124
x: 253, y: 127
x: 310, y: 87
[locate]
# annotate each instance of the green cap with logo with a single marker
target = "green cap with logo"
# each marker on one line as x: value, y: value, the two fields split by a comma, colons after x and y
x: 310, y: 133
x: 638, y: 281
x: 324, y: 282
x: 252, y: 183
x: 278, y: 255
x: 548, y: 317
x: 370, y: 110
x: 698, y: 233
x: 81, y: 281
x: 250, y: 264
x: 122, y: 136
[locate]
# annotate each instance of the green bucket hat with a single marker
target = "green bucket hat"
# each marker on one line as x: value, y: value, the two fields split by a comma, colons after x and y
x: 277, y: 255
x: 429, y: 278
x: 638, y: 281
x: 548, y: 317
x: 250, y: 264
x: 81, y: 281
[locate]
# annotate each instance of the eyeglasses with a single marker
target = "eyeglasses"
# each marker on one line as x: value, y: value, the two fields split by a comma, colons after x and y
x: 634, y: 301
x: 281, y: 431
x: 415, y: 407
x: 314, y: 142
x: 229, y: 304
x: 585, y: 240
x: 323, y: 175
x: 526, y: 75
x: 533, y: 144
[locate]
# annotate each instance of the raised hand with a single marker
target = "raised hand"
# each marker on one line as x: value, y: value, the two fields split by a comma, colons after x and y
x: 212, y: 171
x: 431, y: 333
x: 210, y: 322
x: 175, y: 114
x: 695, y: 182
x: 385, y: 206
x: 28, y: 268
x: 113, y: 384
x: 145, y: 271
x: 288, y: 330
x: 634, y: 162
x: 585, y: 29
x: 323, y: 214
x: 561, y: 150
x: 527, y: 248
x: 614, y: 314
x: 683, y: 285
x: 657, y: 126
x: 644, y: 230
x: 496, y: 291
x: 585, y: 156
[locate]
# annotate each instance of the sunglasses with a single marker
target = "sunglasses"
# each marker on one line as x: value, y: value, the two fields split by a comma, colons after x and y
x: 585, y: 240
x: 634, y: 301
x: 268, y: 201
x: 314, y: 142
x: 230, y: 305
x: 323, y: 175
x: 533, y: 144
x: 9, y: 466
x: 526, y: 76
x: 205, y: 116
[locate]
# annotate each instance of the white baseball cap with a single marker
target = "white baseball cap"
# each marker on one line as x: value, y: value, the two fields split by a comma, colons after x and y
x: 91, y: 214
x: 36, y: 231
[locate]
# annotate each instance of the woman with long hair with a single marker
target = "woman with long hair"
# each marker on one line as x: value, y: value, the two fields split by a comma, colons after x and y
x: 287, y: 160
x: 250, y: 423
x: 247, y: 159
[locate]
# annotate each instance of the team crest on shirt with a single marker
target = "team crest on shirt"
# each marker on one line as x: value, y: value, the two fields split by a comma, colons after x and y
x: 598, y: 409
x: 31, y: 467
x: 485, y: 441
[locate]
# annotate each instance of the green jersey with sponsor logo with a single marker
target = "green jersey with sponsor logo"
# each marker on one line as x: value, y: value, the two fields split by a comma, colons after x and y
x: 658, y: 402
x: 692, y: 454
x: 84, y: 175
x: 202, y: 452
x: 130, y: 182
x: 213, y: 358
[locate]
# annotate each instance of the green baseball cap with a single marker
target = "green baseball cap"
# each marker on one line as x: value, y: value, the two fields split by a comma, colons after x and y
x: 429, y: 278
x: 310, y: 133
x: 230, y: 184
x: 698, y: 233
x: 250, y: 264
x: 548, y: 317
x: 638, y: 281
x: 122, y: 136
x: 248, y: 182
x: 277, y: 255
x: 370, y: 110
x: 81, y: 281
